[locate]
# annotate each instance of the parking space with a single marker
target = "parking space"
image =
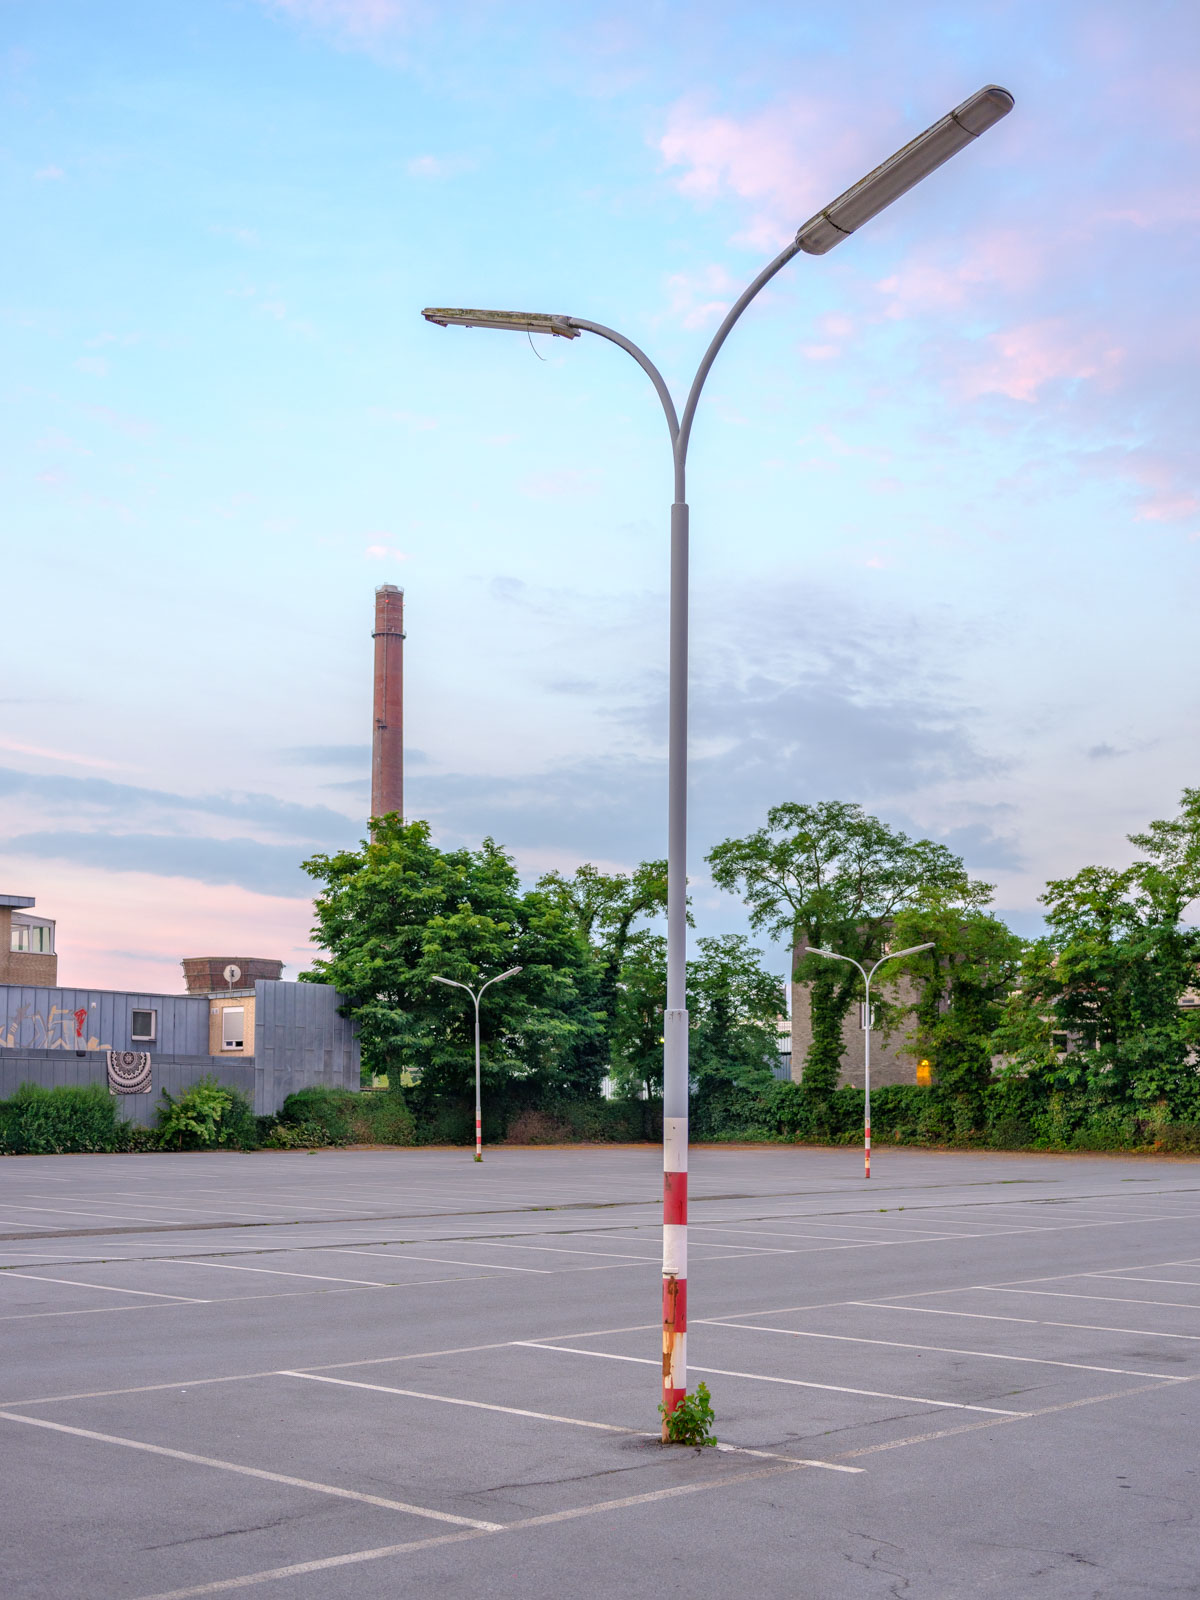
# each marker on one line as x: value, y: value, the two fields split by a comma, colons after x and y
x: 379, y: 1372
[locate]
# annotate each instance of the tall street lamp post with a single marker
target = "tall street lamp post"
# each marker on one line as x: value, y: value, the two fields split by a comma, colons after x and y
x: 836, y: 222
x: 477, y: 995
x: 867, y: 1020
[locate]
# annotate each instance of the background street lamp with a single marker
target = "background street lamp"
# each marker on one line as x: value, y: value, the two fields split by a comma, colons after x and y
x: 835, y: 222
x: 476, y: 995
x: 866, y: 1022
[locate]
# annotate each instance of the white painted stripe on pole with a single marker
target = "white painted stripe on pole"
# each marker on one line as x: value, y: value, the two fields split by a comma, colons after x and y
x: 675, y: 1144
x: 677, y: 1377
x: 675, y: 1249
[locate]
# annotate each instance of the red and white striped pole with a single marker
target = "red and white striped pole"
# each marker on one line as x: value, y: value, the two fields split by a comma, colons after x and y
x: 478, y: 1106
x: 867, y: 1019
x: 674, y: 1381
x: 675, y: 1017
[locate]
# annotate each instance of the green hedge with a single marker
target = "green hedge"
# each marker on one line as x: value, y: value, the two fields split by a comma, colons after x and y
x: 322, y: 1116
x: 39, y: 1121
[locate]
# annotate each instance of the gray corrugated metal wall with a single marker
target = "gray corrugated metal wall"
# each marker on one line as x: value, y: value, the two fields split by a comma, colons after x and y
x: 54, y: 1069
x: 99, y: 1019
x: 299, y: 1039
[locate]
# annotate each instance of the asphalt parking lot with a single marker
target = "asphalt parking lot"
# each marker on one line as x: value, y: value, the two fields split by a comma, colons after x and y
x: 391, y: 1373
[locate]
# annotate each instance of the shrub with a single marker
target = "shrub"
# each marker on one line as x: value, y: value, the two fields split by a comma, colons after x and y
x: 383, y: 1117
x: 536, y: 1127
x: 1179, y: 1137
x: 692, y: 1419
x: 334, y: 1117
x: 319, y: 1107
x: 206, y: 1116
x: 40, y: 1121
x: 297, y: 1136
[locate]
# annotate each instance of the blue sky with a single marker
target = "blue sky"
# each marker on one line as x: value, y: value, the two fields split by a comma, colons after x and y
x: 946, y: 518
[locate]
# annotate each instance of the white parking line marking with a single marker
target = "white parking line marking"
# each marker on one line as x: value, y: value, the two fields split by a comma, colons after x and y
x: 274, y: 1272
x: 253, y: 1472
x: 1124, y: 1277
x: 559, y: 1250
x: 938, y: 1349
x: 1037, y: 1322
x: 75, y: 1283
x: 300, y: 1568
x: 1109, y: 1299
x: 794, y: 1383
x: 547, y: 1416
x: 970, y: 1427
x: 445, y: 1261
x: 450, y: 1400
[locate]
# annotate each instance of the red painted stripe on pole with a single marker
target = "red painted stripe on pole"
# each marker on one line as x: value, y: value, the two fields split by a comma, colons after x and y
x: 675, y: 1198
x: 675, y: 1289
x: 672, y: 1397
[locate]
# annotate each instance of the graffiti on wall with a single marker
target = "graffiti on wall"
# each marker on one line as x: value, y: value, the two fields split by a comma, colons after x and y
x: 58, y: 1029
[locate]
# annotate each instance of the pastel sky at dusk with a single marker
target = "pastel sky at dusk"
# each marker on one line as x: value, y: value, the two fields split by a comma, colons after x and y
x: 945, y: 500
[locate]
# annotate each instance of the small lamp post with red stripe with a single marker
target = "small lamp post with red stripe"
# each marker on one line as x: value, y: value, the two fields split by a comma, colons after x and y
x: 837, y: 221
x: 477, y: 995
x: 867, y: 1019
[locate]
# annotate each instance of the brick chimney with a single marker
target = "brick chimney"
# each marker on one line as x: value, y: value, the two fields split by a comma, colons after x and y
x: 387, y: 744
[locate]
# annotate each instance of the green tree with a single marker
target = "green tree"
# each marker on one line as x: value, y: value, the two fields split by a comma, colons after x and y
x: 1097, y: 1009
x: 963, y: 984
x: 606, y: 907
x: 398, y: 910
x: 830, y: 875
x: 636, y: 1035
x: 733, y: 1009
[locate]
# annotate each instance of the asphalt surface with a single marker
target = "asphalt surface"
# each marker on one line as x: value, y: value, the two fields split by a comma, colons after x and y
x: 359, y: 1374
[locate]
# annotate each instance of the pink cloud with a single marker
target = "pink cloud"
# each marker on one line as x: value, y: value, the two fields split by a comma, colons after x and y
x: 55, y: 755
x: 1165, y: 488
x: 384, y: 552
x: 130, y: 930
x: 1026, y: 358
x: 1004, y: 259
x: 786, y: 161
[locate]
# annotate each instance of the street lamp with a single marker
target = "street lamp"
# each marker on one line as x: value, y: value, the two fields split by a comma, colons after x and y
x: 477, y: 995
x: 836, y: 222
x: 866, y: 1022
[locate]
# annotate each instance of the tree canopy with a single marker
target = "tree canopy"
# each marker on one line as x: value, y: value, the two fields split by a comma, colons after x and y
x: 1098, y: 1003
x: 398, y: 910
x: 830, y: 875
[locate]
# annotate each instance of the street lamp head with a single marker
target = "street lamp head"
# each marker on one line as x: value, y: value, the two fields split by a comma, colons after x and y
x: 521, y: 321
x: 870, y: 195
x: 815, y: 950
x: 449, y: 982
x: 511, y: 973
x: 911, y: 951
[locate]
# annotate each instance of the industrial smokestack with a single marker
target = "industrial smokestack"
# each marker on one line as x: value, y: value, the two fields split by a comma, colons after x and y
x: 387, y: 744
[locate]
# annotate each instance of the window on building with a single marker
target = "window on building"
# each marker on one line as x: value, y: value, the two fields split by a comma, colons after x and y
x: 233, y: 1035
x: 20, y: 936
x: 41, y: 939
x: 142, y: 1026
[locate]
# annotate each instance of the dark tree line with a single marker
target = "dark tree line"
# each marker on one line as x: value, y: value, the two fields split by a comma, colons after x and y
x: 1082, y: 1024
